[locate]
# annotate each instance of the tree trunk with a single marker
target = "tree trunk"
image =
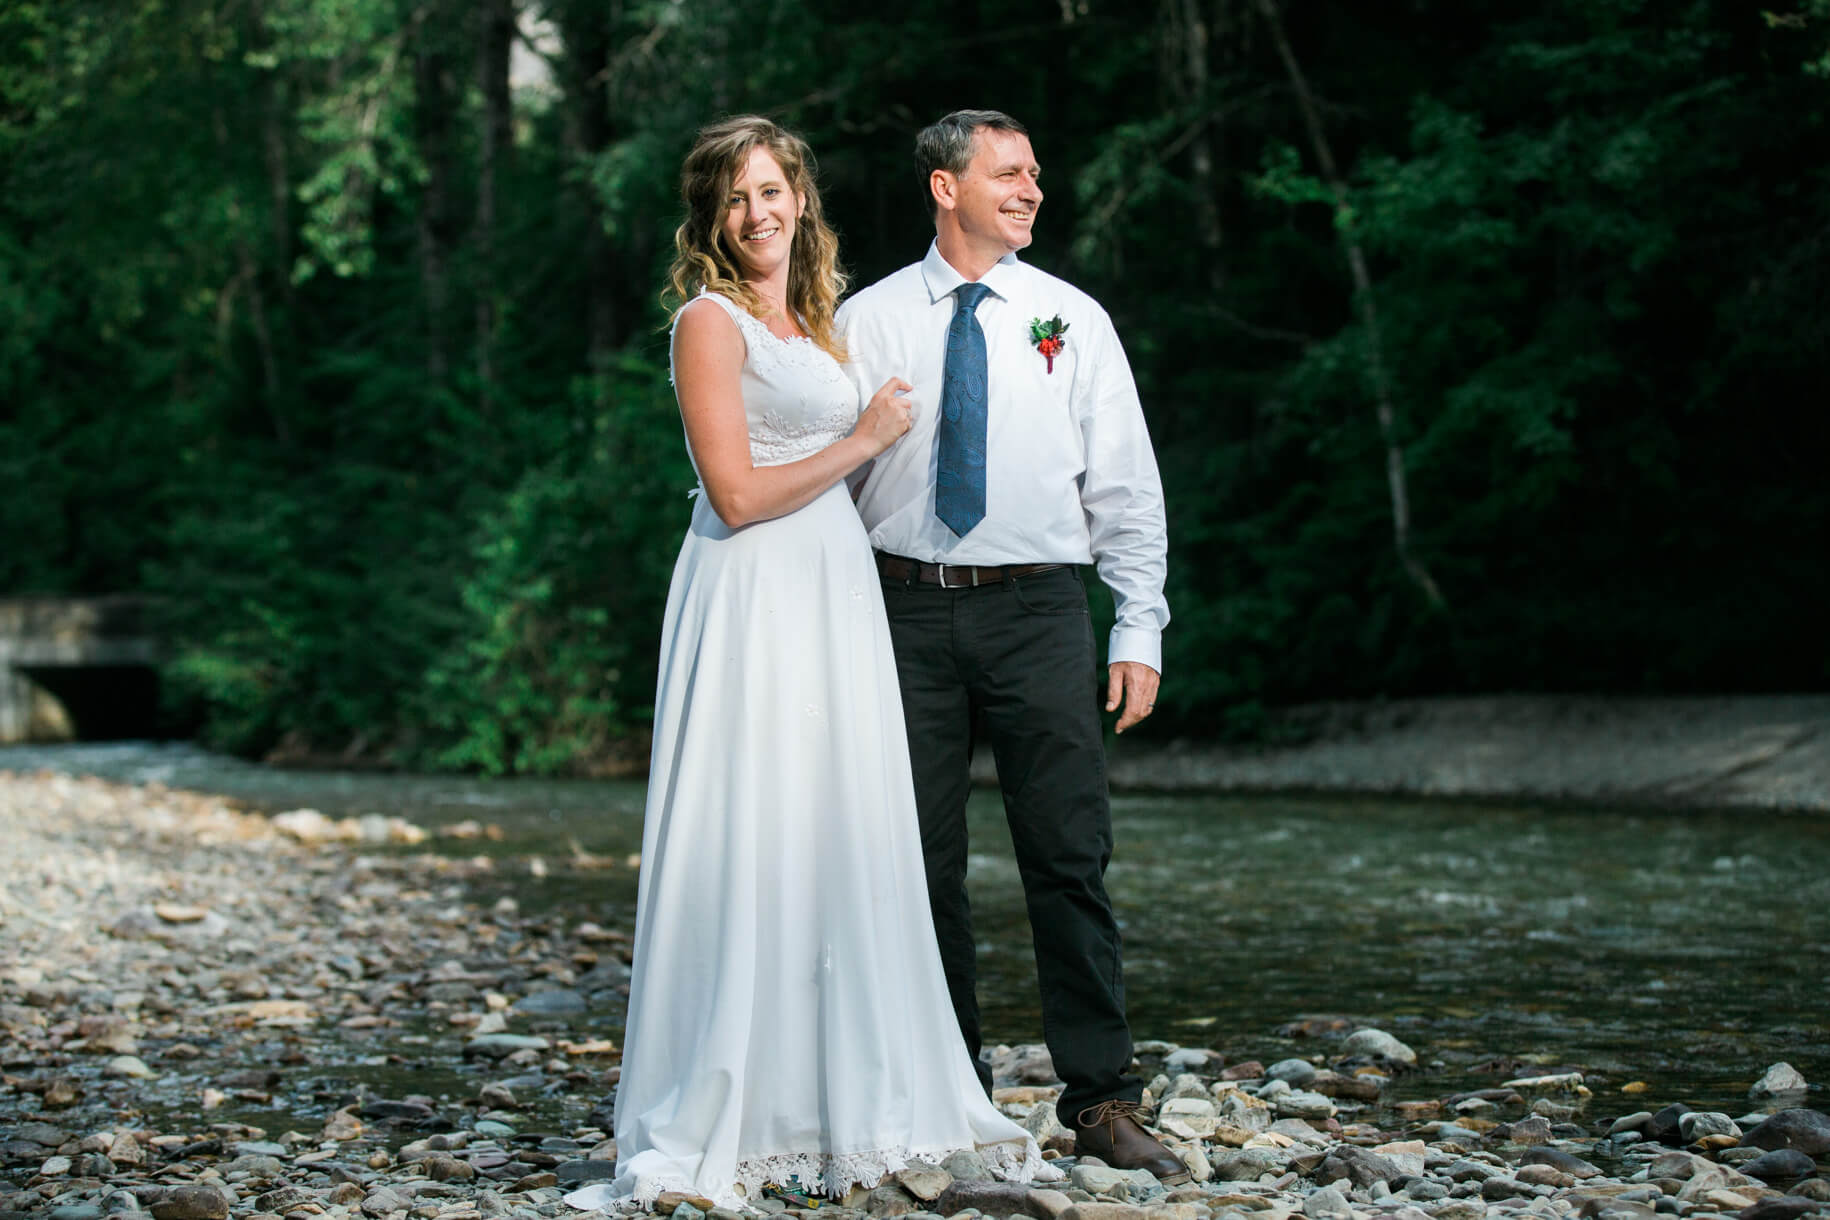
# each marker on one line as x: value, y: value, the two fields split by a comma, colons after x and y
x: 495, y: 35
x: 435, y: 102
x: 276, y: 128
x: 247, y: 280
x: 1191, y: 72
x: 1395, y: 478
x: 586, y: 31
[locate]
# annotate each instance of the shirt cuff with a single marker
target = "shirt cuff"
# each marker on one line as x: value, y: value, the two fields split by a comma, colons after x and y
x: 1141, y: 644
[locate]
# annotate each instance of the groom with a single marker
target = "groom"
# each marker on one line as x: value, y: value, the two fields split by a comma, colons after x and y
x: 1028, y: 457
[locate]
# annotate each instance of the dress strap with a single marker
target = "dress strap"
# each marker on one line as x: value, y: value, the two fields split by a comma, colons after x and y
x: 743, y: 317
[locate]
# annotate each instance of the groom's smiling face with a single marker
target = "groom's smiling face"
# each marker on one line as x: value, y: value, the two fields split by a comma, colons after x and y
x: 995, y: 200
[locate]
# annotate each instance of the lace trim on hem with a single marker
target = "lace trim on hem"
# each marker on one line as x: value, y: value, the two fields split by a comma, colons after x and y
x: 834, y: 1174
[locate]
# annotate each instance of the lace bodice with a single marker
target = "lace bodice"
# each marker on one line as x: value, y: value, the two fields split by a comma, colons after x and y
x: 796, y: 397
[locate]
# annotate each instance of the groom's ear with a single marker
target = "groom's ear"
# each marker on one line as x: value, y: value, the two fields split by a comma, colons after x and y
x: 945, y: 188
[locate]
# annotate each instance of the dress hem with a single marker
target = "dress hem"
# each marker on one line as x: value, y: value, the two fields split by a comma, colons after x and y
x: 830, y: 1174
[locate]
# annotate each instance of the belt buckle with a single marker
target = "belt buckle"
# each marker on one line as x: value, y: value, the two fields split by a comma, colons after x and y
x: 941, y: 568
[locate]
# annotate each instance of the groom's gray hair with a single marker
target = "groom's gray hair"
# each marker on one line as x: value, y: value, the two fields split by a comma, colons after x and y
x: 947, y: 144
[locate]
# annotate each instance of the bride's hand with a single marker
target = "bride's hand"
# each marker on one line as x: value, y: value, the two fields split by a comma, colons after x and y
x: 888, y: 416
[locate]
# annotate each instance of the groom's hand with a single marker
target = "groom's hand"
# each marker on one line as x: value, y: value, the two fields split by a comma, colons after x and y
x: 1132, y: 685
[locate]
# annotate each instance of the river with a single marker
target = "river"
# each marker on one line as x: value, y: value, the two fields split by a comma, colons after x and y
x: 1686, y: 950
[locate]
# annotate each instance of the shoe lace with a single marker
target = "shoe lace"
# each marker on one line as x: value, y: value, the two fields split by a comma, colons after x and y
x: 1106, y: 1112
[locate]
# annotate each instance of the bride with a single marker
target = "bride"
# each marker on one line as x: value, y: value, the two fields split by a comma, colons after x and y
x: 788, y: 1019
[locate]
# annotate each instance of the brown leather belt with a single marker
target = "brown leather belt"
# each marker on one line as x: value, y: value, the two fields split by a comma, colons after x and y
x: 954, y: 575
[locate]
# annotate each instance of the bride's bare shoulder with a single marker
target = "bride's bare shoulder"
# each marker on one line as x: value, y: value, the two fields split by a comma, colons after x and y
x: 707, y: 321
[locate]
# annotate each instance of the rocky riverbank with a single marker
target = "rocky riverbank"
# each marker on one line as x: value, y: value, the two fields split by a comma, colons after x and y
x: 206, y: 1014
x: 1767, y: 752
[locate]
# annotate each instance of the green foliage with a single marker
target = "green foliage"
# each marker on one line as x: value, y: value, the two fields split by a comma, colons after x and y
x: 563, y: 603
x: 406, y: 473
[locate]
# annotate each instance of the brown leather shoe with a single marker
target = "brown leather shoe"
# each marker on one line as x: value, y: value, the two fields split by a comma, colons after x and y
x: 1110, y: 1132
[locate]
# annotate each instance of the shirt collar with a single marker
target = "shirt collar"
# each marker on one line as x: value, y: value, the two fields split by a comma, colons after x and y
x: 941, y: 279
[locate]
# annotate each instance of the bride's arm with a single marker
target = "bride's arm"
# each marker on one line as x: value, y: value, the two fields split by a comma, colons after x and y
x: 708, y: 361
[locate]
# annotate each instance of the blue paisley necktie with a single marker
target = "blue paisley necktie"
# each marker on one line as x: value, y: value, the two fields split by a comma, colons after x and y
x: 959, y: 492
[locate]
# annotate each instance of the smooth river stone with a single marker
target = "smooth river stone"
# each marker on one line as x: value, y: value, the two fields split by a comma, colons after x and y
x: 498, y: 1046
x: 1101, y: 1180
x: 1780, y: 1079
x: 1664, y: 1126
x: 1567, y: 1082
x: 1779, y: 1165
x: 1358, y: 1166
x: 262, y: 1148
x: 1410, y: 1156
x: 1300, y: 1103
x: 986, y: 1198
x: 1378, y: 1043
x: 1563, y: 1162
x: 284, y: 1199
x: 1636, y: 1122
x: 1533, y: 1130
x: 42, y: 1134
x: 1187, y: 1086
x: 124, y: 1149
x: 550, y: 1004
x: 1193, y: 1059
x: 967, y: 1167
x: 882, y: 1202
x: 1046, y: 1128
x: 192, y: 1203
x: 1296, y: 1072
x: 926, y: 1182
x: 382, y: 1200
x: 1327, y: 1204
x: 130, y: 1066
x: 571, y: 1173
x: 1188, y: 1107
x: 1246, y: 1164
x: 1806, y: 1130
x: 1786, y: 1207
x: 1699, y: 1123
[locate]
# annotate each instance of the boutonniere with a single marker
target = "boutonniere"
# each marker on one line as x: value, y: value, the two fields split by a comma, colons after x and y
x: 1049, y: 337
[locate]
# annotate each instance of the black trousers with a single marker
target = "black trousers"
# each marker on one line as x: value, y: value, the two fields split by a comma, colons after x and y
x: 1016, y: 661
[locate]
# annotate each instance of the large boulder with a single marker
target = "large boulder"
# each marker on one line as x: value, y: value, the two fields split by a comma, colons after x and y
x: 1780, y: 1165
x: 1806, y: 1130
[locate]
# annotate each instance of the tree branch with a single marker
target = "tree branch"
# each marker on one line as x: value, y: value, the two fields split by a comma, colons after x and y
x: 1395, y: 477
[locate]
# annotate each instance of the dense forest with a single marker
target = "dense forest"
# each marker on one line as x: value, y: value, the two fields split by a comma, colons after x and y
x: 1485, y: 343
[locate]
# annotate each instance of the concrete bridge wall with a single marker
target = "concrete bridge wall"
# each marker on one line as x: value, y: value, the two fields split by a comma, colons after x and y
x: 42, y: 638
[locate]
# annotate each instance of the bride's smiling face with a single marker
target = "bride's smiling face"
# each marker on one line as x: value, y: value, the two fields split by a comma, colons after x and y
x: 760, y: 216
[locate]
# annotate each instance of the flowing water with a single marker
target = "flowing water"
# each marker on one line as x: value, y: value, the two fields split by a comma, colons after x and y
x: 1686, y: 950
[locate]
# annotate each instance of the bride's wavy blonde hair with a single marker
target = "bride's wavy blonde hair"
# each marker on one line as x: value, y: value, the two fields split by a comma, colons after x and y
x: 815, y: 279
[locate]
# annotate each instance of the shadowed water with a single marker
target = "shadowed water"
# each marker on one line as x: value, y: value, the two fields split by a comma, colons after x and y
x: 1685, y: 950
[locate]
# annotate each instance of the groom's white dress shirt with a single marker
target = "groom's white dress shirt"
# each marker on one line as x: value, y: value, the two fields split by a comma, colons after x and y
x: 1070, y: 475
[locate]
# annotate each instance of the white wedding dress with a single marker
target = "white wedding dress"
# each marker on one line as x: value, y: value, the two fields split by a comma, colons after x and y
x: 788, y: 1018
